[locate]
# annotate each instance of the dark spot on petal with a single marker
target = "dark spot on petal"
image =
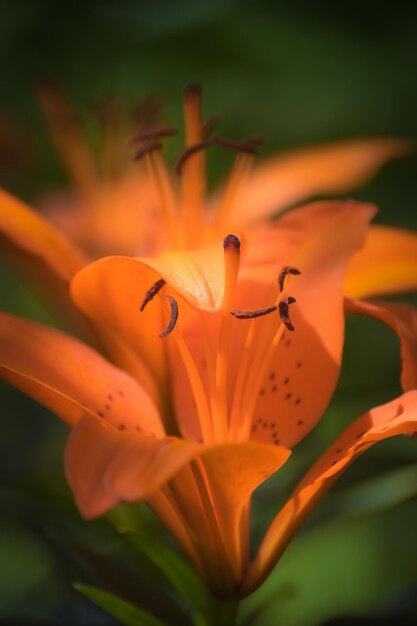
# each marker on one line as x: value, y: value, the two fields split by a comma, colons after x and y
x: 300, y: 422
x: 288, y: 395
x: 288, y: 342
x: 109, y: 396
x: 121, y: 427
x: 272, y: 425
x: 107, y: 406
x: 100, y: 414
x: 333, y: 463
x: 298, y: 401
x: 274, y: 387
x: 271, y: 375
x: 286, y: 381
x: 299, y: 364
x: 121, y: 393
x: 339, y: 450
x: 254, y: 428
x: 259, y: 420
x: 262, y: 392
x: 360, y: 435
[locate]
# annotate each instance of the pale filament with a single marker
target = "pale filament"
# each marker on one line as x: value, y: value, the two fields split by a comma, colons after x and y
x: 159, y: 174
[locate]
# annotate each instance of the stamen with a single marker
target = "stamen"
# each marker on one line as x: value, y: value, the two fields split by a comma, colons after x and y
x: 250, y: 146
x: 283, y: 308
x: 186, y: 153
x: 151, y: 293
x: 287, y: 269
x: 147, y: 148
x: 209, y: 126
x: 156, y: 132
x: 249, y: 315
x: 173, y: 319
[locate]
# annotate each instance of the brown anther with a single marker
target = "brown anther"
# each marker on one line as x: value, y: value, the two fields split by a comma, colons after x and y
x: 209, y: 126
x: 156, y: 132
x: 249, y: 315
x: 283, y: 309
x: 173, y: 319
x: 187, y: 152
x: 287, y: 269
x: 147, y: 147
x: 231, y: 241
x: 151, y: 293
x: 239, y: 146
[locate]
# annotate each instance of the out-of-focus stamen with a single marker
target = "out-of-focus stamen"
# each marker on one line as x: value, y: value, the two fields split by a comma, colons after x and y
x: 187, y: 152
x: 146, y: 148
x: 156, y: 132
x: 209, y: 125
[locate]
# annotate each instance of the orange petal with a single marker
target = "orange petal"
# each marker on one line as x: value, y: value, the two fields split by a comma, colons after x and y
x: 387, y: 264
x: 105, y: 467
x: 402, y: 319
x: 396, y: 417
x: 109, y: 292
x: 297, y: 175
x: 212, y: 495
x: 68, y: 136
x: 40, y: 253
x: 233, y: 472
x: 71, y: 379
x: 302, y: 375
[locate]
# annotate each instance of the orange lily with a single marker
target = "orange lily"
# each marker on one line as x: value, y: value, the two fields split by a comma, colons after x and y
x: 122, y: 207
x: 194, y: 421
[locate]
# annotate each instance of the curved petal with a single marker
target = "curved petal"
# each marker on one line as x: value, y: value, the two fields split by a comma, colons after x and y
x: 39, y: 253
x: 71, y: 379
x: 299, y: 174
x: 394, y: 418
x: 387, y: 264
x: 68, y: 136
x: 402, y: 319
x: 105, y: 467
x: 304, y: 369
x: 233, y: 472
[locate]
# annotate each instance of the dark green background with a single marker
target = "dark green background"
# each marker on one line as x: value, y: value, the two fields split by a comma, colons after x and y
x: 298, y: 73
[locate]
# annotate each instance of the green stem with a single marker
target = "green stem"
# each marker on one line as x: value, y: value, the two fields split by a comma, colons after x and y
x: 225, y: 612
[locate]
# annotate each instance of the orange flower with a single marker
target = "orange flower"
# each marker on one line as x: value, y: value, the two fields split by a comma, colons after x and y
x: 126, y: 208
x: 212, y: 387
x: 204, y: 393
x: 118, y: 206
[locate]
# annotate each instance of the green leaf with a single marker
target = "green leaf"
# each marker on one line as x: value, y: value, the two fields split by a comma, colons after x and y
x: 181, y: 575
x: 124, y: 611
x: 376, y: 494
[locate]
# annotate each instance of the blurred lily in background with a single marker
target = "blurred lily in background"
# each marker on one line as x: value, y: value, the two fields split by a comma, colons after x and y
x: 221, y: 353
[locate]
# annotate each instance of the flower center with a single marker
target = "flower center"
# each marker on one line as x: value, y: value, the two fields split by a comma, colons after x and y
x: 225, y: 396
x: 185, y: 217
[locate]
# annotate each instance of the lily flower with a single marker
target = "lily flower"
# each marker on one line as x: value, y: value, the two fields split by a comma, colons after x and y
x: 219, y: 361
x: 120, y: 207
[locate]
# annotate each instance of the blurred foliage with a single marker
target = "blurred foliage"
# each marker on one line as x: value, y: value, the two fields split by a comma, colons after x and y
x: 297, y: 73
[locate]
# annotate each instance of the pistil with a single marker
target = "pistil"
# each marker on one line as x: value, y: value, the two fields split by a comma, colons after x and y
x: 193, y: 168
